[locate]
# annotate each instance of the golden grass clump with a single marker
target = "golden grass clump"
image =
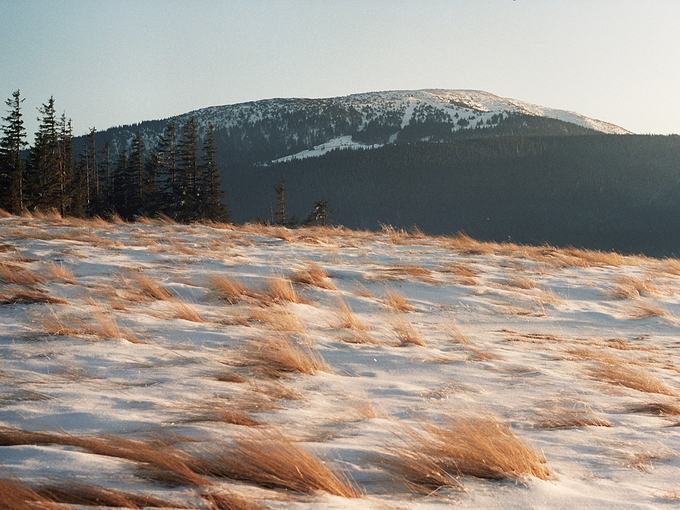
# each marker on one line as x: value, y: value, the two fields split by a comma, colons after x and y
x: 31, y: 297
x: 278, y: 320
x: 279, y: 355
x: 150, y: 287
x: 165, y: 461
x: 10, y: 273
x: 313, y: 275
x: 228, y: 289
x: 59, y: 272
x: 437, y: 454
x: 346, y: 317
x: 574, y: 414
x: 398, y: 302
x: 93, y: 495
x: 181, y: 310
x: 631, y: 377
x: 629, y: 288
x: 281, y: 290
x: 269, y: 459
x: 406, y: 333
x: 647, y: 310
x: 225, y: 500
x: 101, y: 326
x: 656, y: 408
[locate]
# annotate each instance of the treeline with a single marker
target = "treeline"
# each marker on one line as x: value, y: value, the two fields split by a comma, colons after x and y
x: 176, y: 178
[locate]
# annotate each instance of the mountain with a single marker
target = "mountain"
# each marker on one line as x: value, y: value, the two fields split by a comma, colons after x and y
x: 445, y: 161
x: 279, y: 129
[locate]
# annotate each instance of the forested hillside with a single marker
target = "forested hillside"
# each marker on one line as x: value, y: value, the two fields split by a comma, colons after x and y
x: 607, y: 192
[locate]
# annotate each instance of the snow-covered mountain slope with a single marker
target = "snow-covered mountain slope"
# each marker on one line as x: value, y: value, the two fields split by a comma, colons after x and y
x: 279, y: 129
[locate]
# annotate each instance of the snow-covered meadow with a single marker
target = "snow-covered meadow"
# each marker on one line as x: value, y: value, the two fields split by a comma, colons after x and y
x: 216, y: 366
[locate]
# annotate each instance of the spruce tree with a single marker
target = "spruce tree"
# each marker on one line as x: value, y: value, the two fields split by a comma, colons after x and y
x: 119, y: 193
x: 187, y: 194
x: 212, y: 208
x: 12, y: 144
x: 41, y: 177
x: 281, y: 216
x: 135, y: 178
x: 168, y: 168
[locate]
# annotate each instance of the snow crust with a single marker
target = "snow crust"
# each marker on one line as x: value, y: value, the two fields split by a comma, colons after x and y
x: 515, y: 331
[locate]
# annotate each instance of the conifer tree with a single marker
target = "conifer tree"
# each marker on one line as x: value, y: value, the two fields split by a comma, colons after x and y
x: 41, y: 178
x: 212, y: 207
x: 168, y: 169
x: 187, y: 193
x: 119, y: 195
x: 12, y: 144
x: 135, y: 178
x: 281, y: 216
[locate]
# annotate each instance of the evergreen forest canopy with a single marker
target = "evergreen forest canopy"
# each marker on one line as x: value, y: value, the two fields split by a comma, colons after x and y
x: 525, y: 178
x: 175, y: 178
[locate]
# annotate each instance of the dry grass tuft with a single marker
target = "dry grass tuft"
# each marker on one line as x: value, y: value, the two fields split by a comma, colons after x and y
x: 406, y: 333
x: 271, y: 460
x: 437, y: 454
x: 278, y: 319
x: 217, y: 412
x: 313, y: 275
x: 225, y: 500
x: 281, y: 290
x: 277, y: 356
x: 150, y: 287
x: 59, y: 272
x: 101, y: 326
x: 347, y: 318
x: 10, y: 273
x: 631, y: 377
x: 92, y: 495
x: 4, y: 213
x: 630, y: 288
x: 564, y: 415
x: 228, y: 289
x: 31, y: 297
x: 647, y: 310
x: 522, y: 282
x: 184, y: 311
x: 16, y: 495
x: 166, y: 462
x: 398, y: 302
x: 656, y: 407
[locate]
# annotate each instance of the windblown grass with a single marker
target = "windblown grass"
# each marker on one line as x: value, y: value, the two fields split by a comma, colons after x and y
x: 59, y: 272
x: 313, y: 275
x: 278, y: 355
x: 101, y: 326
x: 281, y: 290
x: 271, y: 460
x: 166, y: 463
x: 278, y: 319
x: 574, y: 414
x: 228, y: 289
x: 31, y: 297
x: 398, y: 302
x: 10, y: 273
x: 225, y: 500
x: 436, y: 454
x: 631, y: 377
x: 346, y: 317
x: 656, y: 407
x: 74, y: 493
x: 629, y: 288
x: 182, y: 310
x: 406, y: 333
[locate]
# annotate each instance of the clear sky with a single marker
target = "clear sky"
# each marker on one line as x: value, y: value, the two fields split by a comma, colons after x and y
x: 117, y: 62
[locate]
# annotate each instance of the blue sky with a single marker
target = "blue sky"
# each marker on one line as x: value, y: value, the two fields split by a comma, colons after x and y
x: 119, y: 62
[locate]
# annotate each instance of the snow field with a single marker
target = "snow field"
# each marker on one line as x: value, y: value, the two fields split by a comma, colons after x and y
x: 199, y: 364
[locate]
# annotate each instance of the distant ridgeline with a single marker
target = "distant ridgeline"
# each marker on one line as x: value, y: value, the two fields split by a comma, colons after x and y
x: 444, y: 161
